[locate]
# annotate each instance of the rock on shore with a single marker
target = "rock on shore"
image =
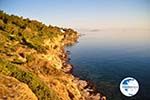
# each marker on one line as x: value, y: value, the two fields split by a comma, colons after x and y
x: 33, y: 55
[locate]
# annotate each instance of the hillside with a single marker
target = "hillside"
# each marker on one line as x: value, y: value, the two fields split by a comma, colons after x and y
x: 34, y: 64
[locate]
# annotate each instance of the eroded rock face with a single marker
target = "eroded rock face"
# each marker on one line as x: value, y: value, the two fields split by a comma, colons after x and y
x: 87, y: 92
x: 12, y: 89
x: 67, y: 68
x: 34, y: 54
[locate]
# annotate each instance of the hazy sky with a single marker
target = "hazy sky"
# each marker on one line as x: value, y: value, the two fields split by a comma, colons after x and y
x: 83, y: 14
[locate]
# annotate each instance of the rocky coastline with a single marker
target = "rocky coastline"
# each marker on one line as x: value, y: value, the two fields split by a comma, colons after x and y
x: 86, y: 88
x: 34, y: 63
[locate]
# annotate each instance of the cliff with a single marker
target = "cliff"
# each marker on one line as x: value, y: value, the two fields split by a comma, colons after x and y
x: 34, y: 64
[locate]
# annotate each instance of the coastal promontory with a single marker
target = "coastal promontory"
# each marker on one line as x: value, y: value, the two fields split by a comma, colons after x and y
x: 34, y: 64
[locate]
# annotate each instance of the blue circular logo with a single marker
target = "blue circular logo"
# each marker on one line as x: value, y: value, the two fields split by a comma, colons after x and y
x: 129, y: 86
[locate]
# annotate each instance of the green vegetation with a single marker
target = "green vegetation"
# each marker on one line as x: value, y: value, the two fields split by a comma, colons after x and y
x: 36, y: 85
x: 30, y: 32
x: 21, y: 40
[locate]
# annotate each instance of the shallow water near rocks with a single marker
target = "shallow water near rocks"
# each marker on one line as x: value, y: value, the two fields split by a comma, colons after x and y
x: 106, y: 57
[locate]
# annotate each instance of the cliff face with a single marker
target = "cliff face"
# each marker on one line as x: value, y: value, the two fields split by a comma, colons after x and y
x: 33, y: 62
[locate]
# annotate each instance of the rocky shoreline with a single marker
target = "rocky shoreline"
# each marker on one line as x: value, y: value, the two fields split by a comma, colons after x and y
x: 86, y: 88
x: 33, y: 55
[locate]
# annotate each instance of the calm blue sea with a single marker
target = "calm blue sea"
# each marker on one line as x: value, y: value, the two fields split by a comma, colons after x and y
x: 106, y: 57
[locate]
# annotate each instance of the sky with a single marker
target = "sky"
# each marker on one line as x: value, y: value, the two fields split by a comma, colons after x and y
x: 84, y: 14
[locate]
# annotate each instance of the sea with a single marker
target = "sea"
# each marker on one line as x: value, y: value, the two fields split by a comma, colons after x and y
x: 106, y: 57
